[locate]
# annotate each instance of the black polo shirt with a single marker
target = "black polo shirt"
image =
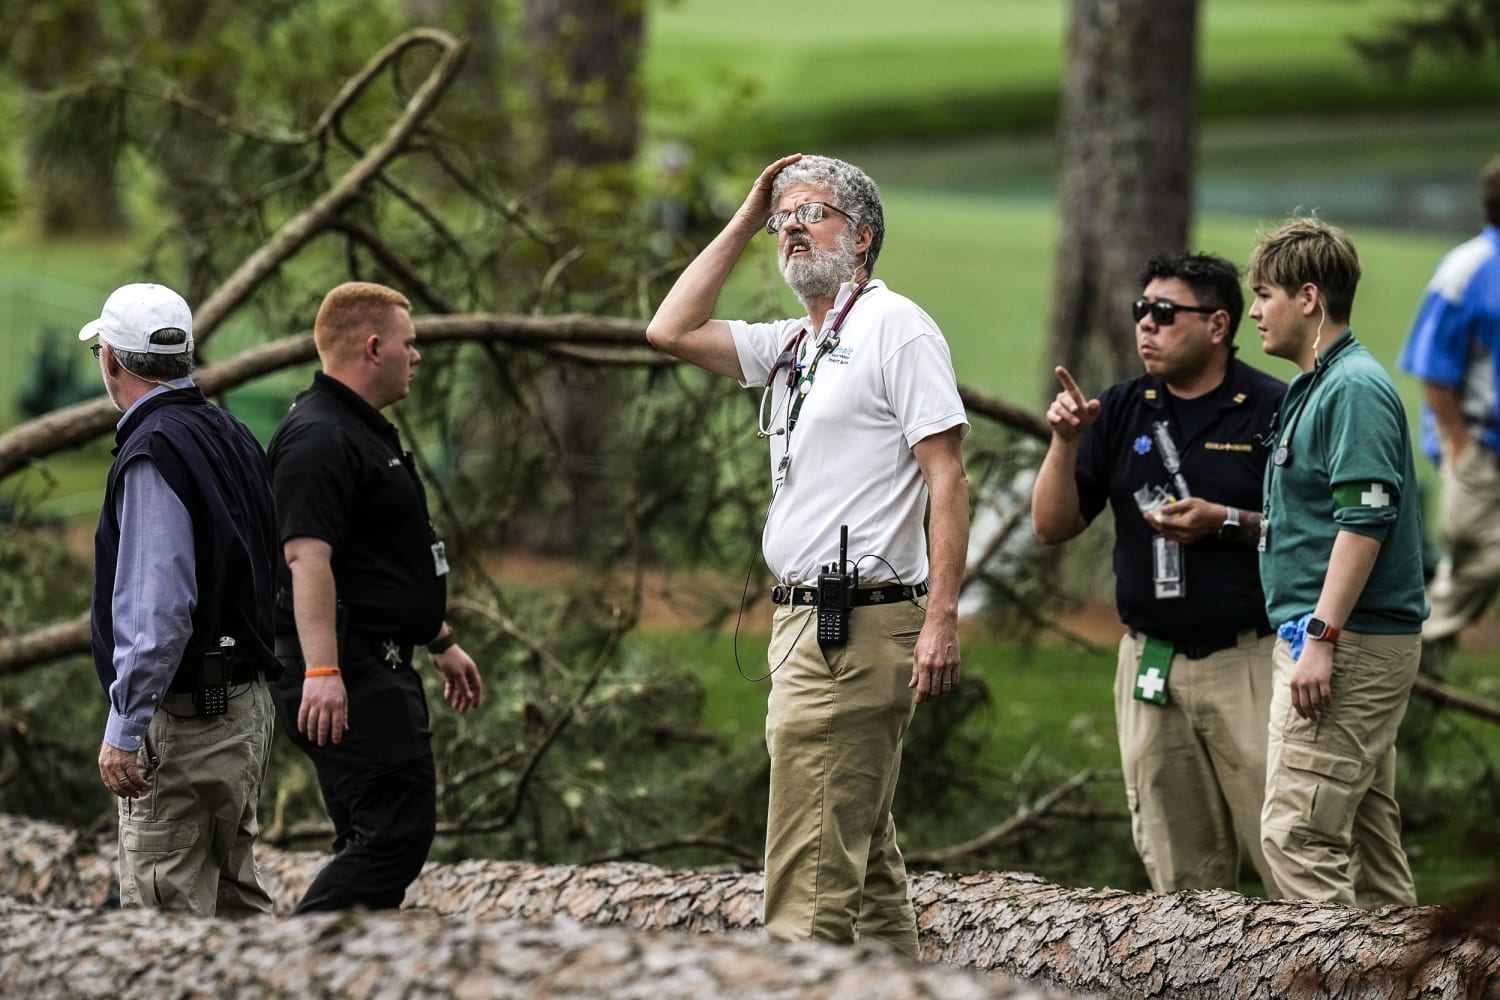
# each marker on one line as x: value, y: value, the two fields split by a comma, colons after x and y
x: 339, y: 474
x: 1223, y: 461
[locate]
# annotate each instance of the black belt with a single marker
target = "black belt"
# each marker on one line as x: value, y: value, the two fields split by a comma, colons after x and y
x: 1196, y: 647
x: 185, y: 681
x: 808, y: 596
x: 357, y: 645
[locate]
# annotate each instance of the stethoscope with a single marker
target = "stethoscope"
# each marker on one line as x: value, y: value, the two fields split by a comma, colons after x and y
x: 1283, y: 453
x: 788, y: 359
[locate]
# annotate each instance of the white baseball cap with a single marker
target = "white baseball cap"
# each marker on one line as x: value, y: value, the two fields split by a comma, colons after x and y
x: 133, y: 313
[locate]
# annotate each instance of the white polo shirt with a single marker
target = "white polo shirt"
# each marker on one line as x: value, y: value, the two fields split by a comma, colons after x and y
x: 887, y: 385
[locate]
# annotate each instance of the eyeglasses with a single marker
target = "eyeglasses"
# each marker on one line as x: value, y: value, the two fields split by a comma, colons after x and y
x: 807, y: 212
x: 1164, y: 311
x: 95, y: 349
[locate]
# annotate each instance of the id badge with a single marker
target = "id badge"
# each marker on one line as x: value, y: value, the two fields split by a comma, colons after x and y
x: 1166, y: 561
x: 1151, y: 675
x: 439, y: 559
x: 1265, y: 530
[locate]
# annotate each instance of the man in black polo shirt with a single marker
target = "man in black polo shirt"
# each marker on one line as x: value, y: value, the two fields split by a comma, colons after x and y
x: 365, y: 581
x: 1178, y: 455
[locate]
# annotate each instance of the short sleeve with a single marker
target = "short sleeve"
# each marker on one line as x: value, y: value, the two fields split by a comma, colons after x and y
x: 1364, y: 430
x: 922, y: 388
x: 314, y: 480
x: 758, y: 345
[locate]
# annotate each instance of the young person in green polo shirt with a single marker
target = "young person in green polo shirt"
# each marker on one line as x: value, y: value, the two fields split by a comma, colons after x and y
x: 1341, y: 566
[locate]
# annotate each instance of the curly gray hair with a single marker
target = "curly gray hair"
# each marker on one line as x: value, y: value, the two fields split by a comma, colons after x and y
x: 852, y: 190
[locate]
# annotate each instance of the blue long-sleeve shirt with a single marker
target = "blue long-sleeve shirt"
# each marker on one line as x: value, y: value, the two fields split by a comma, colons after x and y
x: 155, y: 593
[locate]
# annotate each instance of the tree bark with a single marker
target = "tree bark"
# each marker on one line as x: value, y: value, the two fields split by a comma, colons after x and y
x: 73, y: 953
x: 1125, y: 191
x: 1205, y: 944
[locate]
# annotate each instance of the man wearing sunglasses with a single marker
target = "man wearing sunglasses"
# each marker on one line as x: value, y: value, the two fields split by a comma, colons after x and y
x: 1178, y: 454
x: 862, y: 412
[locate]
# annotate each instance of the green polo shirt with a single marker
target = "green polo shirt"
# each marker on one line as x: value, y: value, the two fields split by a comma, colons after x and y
x: 1348, y: 467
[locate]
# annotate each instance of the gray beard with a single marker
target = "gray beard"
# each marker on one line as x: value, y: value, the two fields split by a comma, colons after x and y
x: 818, y: 274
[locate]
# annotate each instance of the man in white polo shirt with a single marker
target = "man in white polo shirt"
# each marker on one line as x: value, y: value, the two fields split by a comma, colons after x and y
x: 864, y: 420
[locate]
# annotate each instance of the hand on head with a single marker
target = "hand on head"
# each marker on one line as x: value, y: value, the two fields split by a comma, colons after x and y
x: 757, y: 206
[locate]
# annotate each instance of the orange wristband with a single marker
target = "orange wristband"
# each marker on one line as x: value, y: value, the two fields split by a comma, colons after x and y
x: 322, y: 672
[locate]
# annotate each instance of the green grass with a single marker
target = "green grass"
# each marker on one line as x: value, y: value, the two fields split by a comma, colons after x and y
x: 815, y: 74
x: 1046, y: 695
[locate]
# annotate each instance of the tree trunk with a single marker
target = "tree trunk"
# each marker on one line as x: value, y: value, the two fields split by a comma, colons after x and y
x: 583, y: 59
x: 75, y: 953
x: 1207, y: 944
x: 1126, y: 137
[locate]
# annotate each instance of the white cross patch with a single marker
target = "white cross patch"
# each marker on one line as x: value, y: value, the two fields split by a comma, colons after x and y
x: 1151, y: 683
x: 1376, y: 497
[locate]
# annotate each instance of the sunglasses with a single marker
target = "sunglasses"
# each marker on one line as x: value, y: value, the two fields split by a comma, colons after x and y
x: 808, y: 212
x: 1164, y: 311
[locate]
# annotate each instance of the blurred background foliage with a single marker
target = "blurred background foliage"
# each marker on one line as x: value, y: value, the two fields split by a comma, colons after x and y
x: 605, y: 513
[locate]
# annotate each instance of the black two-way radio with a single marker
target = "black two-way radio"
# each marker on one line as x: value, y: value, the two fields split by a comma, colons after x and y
x: 836, y: 596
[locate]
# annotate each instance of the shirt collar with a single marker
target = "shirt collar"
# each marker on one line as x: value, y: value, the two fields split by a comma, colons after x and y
x: 157, y: 390
x: 338, y: 390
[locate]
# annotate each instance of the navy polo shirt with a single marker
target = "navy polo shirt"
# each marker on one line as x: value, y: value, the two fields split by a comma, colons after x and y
x: 1223, y: 447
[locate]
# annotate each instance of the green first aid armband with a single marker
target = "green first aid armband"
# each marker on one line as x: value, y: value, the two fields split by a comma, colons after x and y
x: 1151, y: 675
x: 1362, y: 495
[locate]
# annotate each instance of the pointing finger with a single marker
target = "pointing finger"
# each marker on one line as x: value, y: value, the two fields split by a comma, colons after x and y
x: 1070, y: 386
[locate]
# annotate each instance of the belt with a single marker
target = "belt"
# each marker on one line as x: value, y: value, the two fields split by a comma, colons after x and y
x: 185, y: 680
x: 808, y: 596
x: 356, y: 645
x: 1198, y: 646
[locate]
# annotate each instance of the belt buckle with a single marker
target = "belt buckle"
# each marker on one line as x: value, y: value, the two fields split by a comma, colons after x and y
x: 780, y: 595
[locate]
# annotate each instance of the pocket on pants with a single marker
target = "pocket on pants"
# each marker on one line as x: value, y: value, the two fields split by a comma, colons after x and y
x: 1314, y: 791
x: 157, y: 837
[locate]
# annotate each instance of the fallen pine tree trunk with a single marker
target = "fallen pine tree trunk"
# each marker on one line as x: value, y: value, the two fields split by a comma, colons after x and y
x: 1208, y: 944
x: 47, y: 952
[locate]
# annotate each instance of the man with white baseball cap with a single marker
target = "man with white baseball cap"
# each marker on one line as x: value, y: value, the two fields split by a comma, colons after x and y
x: 184, y: 571
x: 133, y: 313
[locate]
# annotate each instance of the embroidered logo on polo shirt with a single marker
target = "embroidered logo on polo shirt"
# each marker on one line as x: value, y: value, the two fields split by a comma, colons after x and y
x: 840, y: 355
x: 1142, y: 444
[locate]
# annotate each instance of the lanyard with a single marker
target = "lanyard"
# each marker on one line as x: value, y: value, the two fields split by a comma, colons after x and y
x: 1283, y: 455
x: 805, y: 383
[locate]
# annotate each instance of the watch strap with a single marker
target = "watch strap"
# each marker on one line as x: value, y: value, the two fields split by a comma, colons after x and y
x: 1320, y: 630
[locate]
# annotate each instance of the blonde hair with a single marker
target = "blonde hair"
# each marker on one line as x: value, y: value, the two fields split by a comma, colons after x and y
x: 350, y: 313
x: 1307, y: 250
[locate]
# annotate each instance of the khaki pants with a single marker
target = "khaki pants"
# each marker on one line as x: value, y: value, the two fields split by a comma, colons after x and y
x: 1469, y: 574
x: 1195, y: 768
x: 188, y: 843
x: 833, y: 729
x: 1331, y: 827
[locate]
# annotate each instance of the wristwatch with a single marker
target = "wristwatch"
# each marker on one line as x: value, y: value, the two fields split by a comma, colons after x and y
x: 1320, y: 630
x: 1231, y: 520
